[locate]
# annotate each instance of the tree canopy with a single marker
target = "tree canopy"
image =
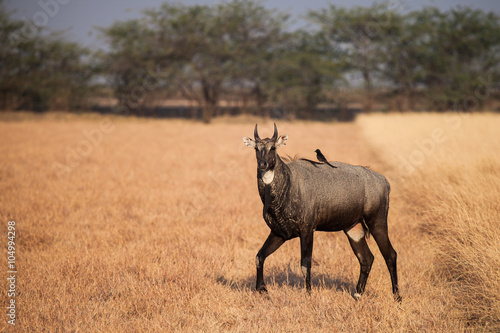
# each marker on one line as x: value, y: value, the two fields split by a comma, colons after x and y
x: 41, y: 71
x: 243, y: 53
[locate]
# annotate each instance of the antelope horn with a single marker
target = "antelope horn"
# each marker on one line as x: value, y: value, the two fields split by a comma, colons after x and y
x: 255, y: 134
x: 275, y: 135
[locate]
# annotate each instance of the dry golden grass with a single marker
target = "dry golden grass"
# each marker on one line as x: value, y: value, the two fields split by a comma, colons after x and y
x: 155, y: 228
x: 448, y: 166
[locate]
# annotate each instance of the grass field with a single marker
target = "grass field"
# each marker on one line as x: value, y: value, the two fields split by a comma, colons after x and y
x: 153, y: 225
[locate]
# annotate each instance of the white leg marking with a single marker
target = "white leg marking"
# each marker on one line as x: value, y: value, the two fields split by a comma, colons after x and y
x: 268, y: 176
x: 356, y: 233
x: 304, y: 270
x: 357, y: 296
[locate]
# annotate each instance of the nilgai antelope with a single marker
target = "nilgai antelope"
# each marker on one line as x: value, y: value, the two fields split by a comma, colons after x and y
x: 303, y: 196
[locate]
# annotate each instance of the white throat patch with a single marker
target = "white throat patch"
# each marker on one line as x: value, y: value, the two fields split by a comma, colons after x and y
x: 268, y: 177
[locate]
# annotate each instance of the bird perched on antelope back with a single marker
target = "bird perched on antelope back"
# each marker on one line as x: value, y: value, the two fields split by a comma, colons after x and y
x: 322, y: 158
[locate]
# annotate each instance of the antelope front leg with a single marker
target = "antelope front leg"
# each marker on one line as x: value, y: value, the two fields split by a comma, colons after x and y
x: 271, y: 244
x: 306, y: 247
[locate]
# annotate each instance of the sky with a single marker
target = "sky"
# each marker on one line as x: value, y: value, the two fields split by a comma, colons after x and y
x: 78, y: 19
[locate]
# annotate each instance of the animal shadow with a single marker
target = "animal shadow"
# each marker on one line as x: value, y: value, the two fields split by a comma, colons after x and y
x: 282, y: 278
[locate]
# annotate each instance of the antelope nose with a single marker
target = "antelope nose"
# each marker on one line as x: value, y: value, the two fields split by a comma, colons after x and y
x: 262, y: 165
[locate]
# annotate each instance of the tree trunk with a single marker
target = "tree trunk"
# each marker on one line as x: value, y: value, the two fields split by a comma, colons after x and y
x: 260, y: 99
x: 368, y: 107
x: 411, y: 98
x: 208, y: 111
x: 211, y: 97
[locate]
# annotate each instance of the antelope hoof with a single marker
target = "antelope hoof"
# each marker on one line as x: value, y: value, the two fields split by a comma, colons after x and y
x: 262, y: 289
x: 357, y: 296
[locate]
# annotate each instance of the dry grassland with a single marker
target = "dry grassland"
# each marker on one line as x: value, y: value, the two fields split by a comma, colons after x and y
x: 448, y: 167
x: 135, y: 225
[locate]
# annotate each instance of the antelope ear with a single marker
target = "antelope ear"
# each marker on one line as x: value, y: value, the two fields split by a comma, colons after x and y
x: 248, y: 142
x: 281, y: 140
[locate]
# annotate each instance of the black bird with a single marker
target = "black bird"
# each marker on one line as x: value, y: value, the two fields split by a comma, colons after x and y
x: 322, y: 158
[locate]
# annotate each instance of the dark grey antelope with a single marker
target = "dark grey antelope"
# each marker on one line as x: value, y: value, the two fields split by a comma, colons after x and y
x: 303, y: 196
